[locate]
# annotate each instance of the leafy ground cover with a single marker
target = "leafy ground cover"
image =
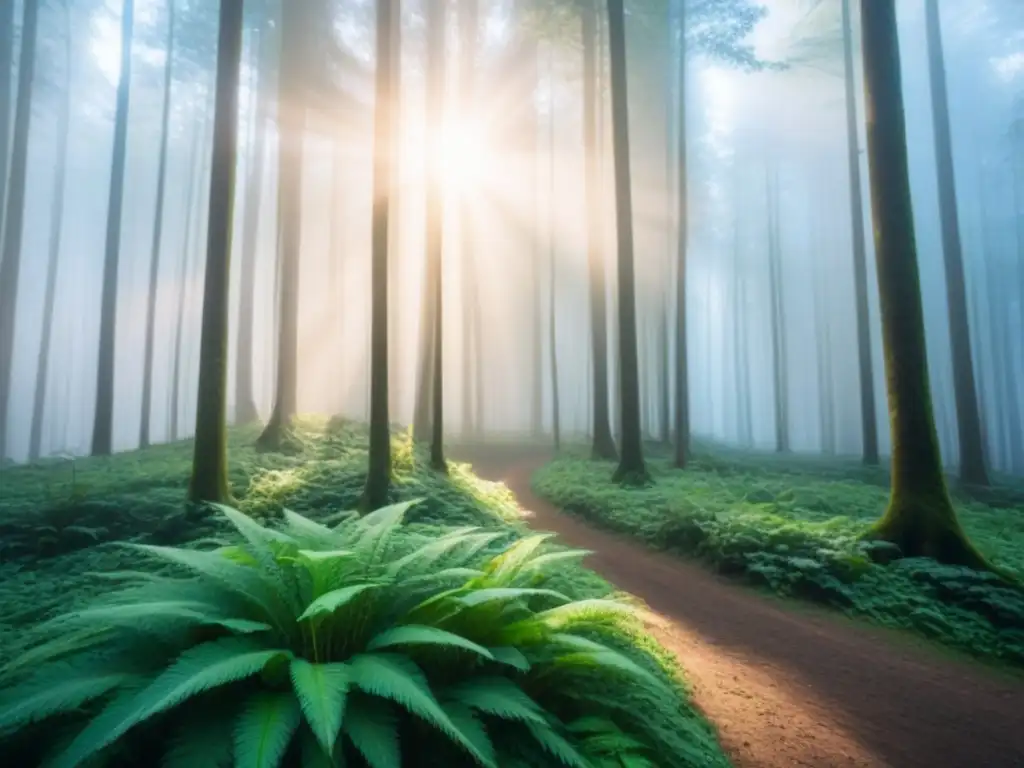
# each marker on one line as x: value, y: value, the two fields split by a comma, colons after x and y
x: 795, y: 526
x: 90, y: 510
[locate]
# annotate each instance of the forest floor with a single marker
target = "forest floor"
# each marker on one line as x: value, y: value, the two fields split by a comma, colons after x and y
x: 789, y: 685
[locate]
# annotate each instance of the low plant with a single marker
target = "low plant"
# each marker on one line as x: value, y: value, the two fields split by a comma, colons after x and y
x: 358, y: 643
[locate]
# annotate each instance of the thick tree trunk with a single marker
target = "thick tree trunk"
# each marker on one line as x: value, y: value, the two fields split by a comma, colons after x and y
x: 972, y: 450
x: 632, y: 468
x: 210, y: 457
x: 378, y: 476
x: 869, y: 423
x: 56, y: 230
x: 103, y: 426
x: 154, y: 263
x: 778, y: 319
x: 920, y: 517
x: 14, y: 220
x: 604, y: 443
x: 246, y: 411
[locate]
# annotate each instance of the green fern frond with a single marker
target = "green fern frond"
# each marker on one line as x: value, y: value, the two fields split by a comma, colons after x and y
x: 511, y: 657
x: 586, y: 613
x: 431, y: 552
x: 372, y: 727
x: 471, y: 727
x: 499, y: 697
x: 493, y: 594
x: 505, y: 566
x: 335, y: 599
x: 61, y: 686
x: 159, y: 613
x: 201, y: 739
x: 412, y: 634
x: 312, y: 754
x: 303, y: 529
x: 265, y: 728
x: 557, y: 746
x: 321, y: 690
x: 542, y: 562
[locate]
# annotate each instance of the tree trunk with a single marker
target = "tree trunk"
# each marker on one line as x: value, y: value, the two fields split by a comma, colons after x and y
x: 7, y: 67
x: 378, y: 476
x: 632, y: 468
x: 604, y: 443
x: 436, y: 77
x: 246, y: 411
x: 556, y: 416
x: 920, y: 517
x: 103, y: 427
x: 395, y: 270
x: 869, y: 424
x: 56, y: 230
x: 682, y: 393
x: 972, y: 450
x: 10, y: 256
x: 778, y: 319
x: 154, y: 266
x: 210, y: 457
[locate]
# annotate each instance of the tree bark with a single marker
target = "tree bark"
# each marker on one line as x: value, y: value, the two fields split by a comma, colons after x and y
x: 154, y: 266
x: 103, y: 426
x: 778, y: 319
x: 632, y: 468
x: 920, y: 517
x: 968, y: 420
x: 378, y: 476
x: 210, y: 458
x: 14, y: 219
x: 7, y: 67
x: 869, y: 423
x: 682, y: 393
x: 56, y: 230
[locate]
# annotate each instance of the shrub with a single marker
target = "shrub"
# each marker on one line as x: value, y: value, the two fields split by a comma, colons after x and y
x: 361, y: 644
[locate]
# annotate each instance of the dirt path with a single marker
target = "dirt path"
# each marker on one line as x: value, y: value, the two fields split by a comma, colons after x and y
x: 791, y: 688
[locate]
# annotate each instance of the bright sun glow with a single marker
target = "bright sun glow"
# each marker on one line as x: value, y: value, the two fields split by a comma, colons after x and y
x: 463, y: 156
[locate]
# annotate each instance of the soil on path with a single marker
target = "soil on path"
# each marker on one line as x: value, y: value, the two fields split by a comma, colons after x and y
x: 793, y: 688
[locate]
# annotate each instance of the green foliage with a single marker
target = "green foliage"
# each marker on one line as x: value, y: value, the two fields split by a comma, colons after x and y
x: 346, y: 645
x: 796, y: 529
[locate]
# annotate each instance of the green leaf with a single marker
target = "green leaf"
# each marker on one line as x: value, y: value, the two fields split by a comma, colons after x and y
x: 506, y: 565
x: 372, y: 727
x: 511, y: 657
x: 499, y: 697
x: 264, y: 729
x: 413, y: 634
x: 335, y: 599
x: 60, y: 686
x: 201, y: 738
x: 491, y: 594
x: 556, y: 746
x: 321, y: 689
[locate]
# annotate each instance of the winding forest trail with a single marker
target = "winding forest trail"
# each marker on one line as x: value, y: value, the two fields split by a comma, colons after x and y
x: 792, y: 688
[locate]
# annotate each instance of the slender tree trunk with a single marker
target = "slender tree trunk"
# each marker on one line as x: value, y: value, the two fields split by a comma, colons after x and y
x: 632, y: 468
x: 869, y: 424
x: 436, y: 77
x: 468, y: 22
x: 530, y: 127
x: 778, y: 319
x: 210, y: 458
x: 556, y: 416
x: 6, y: 86
x: 246, y: 411
x: 56, y: 230
x: 154, y: 267
x: 103, y: 426
x: 972, y: 450
x: 395, y: 253
x: 604, y: 444
x: 10, y: 256
x: 682, y: 393
x: 378, y: 476
x: 920, y: 517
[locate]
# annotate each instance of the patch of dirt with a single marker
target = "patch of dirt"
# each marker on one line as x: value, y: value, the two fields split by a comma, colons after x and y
x: 793, y: 688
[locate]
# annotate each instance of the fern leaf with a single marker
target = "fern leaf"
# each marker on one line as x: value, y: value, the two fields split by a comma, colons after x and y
x: 499, y: 697
x: 305, y: 529
x: 264, y: 729
x: 153, y: 613
x: 400, y: 680
x: 593, y: 654
x: 511, y: 657
x: 372, y: 727
x: 557, y: 746
x: 506, y: 565
x: 413, y: 634
x: 321, y: 690
x: 60, y: 686
x: 326, y: 555
x: 473, y: 729
x: 431, y: 552
x: 335, y: 599
x: 541, y: 562
x: 490, y: 594
x: 201, y: 739
x: 585, y: 613
x: 312, y: 753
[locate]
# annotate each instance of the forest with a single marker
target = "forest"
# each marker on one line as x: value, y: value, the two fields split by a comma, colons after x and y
x: 511, y: 383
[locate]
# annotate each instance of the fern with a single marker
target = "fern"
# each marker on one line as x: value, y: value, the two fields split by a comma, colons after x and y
x: 264, y: 729
x: 321, y: 690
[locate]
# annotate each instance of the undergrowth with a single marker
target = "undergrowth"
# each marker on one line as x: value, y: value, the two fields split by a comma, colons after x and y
x: 797, y: 531
x: 136, y: 499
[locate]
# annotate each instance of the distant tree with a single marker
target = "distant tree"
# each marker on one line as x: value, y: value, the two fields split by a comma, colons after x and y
x: 682, y: 371
x: 209, y: 460
x: 780, y: 360
x: 972, y: 450
x: 154, y: 262
x: 869, y: 424
x: 378, y: 476
x: 103, y: 426
x: 920, y: 518
x: 556, y: 416
x: 56, y: 229
x: 6, y: 82
x: 14, y: 217
x: 631, y: 467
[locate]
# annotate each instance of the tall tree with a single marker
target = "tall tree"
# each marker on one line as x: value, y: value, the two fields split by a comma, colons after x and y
x: 631, y: 467
x: 378, y: 475
x: 14, y: 218
x: 56, y: 230
x: 436, y: 75
x: 556, y: 416
x: 968, y: 420
x: 682, y: 390
x: 920, y: 517
x: 868, y: 420
x: 7, y: 68
x: 780, y: 362
x: 209, y: 459
x: 604, y: 444
x: 158, y: 228
x: 103, y: 425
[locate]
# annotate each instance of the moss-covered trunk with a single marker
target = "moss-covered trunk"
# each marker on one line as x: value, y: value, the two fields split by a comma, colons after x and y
x: 920, y: 517
x: 210, y: 461
x: 378, y: 474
